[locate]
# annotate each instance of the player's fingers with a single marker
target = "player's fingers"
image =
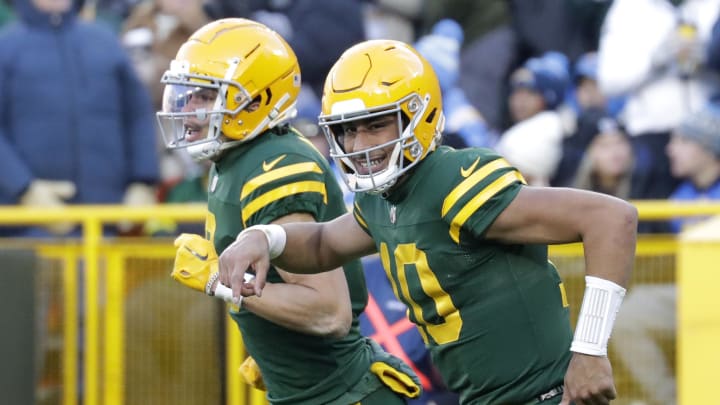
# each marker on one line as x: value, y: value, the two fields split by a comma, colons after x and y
x: 237, y: 274
x: 248, y: 289
x: 610, y: 392
x: 226, y: 265
x: 261, y: 268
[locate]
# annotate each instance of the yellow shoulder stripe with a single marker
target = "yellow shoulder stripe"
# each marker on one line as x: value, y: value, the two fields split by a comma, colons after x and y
x: 281, y: 192
x: 357, y: 213
x: 480, y: 199
x: 285, y: 171
x: 462, y: 188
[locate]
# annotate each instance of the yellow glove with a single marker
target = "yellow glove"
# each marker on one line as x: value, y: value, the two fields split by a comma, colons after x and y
x: 250, y: 372
x: 196, y: 263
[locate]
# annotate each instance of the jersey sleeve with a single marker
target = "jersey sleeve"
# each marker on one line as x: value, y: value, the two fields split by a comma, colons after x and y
x: 287, y: 184
x: 482, y: 186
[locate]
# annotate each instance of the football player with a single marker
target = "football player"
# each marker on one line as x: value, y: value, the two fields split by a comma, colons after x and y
x: 461, y: 237
x: 228, y: 97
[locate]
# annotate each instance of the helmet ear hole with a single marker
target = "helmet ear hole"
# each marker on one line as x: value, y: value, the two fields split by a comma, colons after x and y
x: 404, y: 120
x: 431, y: 116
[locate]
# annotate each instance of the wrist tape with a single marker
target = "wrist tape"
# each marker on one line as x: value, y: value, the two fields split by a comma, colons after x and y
x: 225, y: 293
x: 275, y: 235
x: 600, y: 305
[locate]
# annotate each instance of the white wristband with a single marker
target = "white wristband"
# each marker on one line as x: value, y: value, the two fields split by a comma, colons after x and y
x: 600, y: 305
x: 275, y: 235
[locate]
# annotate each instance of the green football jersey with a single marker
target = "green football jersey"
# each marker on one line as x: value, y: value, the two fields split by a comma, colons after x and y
x: 494, y: 316
x: 272, y: 176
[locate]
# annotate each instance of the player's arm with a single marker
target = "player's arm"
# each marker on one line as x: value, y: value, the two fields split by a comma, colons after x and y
x: 299, y: 247
x: 607, y: 226
x: 317, y: 304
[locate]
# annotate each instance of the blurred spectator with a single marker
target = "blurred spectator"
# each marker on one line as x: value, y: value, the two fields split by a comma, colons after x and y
x: 385, y: 320
x: 464, y: 126
x: 318, y: 30
x: 534, y: 143
x: 524, y: 29
x: 76, y: 123
x: 660, y: 68
x: 587, y: 105
x: 587, y: 93
x: 648, y: 313
x: 608, y: 161
x: 694, y: 152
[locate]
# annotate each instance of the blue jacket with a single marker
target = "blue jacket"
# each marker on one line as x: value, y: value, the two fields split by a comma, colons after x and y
x: 71, y: 108
x: 687, y: 191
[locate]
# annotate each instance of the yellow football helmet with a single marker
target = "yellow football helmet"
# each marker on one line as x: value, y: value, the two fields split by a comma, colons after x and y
x: 231, y: 81
x: 381, y: 77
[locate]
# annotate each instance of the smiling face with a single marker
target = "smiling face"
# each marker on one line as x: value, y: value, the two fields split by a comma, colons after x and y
x: 375, y: 136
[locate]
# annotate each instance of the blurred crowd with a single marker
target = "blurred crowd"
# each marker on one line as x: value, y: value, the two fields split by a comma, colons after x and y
x: 568, y: 91
x: 616, y: 96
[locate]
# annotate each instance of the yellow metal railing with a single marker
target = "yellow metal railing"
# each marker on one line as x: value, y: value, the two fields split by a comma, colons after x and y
x: 103, y: 356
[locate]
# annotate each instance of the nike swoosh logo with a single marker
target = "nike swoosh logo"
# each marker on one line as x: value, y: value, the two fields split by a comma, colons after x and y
x: 469, y: 170
x: 268, y: 166
x: 196, y: 254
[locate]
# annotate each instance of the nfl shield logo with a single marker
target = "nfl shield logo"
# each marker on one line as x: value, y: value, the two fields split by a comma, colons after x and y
x: 392, y: 214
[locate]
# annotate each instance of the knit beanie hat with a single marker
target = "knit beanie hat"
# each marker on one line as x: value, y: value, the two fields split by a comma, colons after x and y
x: 441, y: 47
x: 547, y: 75
x: 703, y: 127
x: 586, y: 66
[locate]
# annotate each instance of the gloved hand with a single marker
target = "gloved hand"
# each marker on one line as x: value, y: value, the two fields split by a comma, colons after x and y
x: 195, y: 262
x: 136, y: 194
x: 196, y: 266
x: 50, y: 194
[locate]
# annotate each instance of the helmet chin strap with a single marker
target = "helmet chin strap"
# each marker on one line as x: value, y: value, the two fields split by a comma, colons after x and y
x: 206, y: 150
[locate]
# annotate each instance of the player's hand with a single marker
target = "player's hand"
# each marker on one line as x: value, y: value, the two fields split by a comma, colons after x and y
x: 249, y: 251
x: 588, y: 381
x: 195, y: 262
